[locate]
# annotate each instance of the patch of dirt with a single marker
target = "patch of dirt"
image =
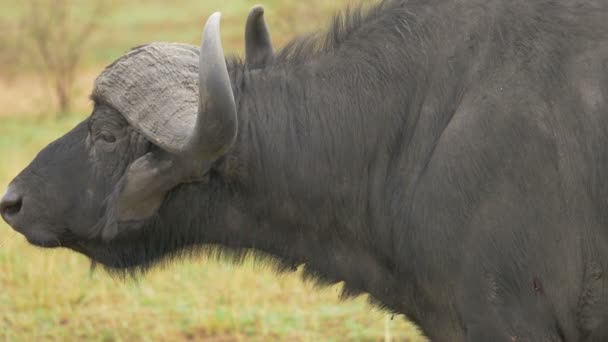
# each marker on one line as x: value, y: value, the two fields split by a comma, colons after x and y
x: 201, y: 334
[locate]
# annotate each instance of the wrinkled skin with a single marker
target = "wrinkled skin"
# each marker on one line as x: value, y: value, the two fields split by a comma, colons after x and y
x: 447, y: 157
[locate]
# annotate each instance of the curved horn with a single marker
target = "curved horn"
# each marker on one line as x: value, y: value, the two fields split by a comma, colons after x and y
x: 216, y: 124
x: 258, y: 46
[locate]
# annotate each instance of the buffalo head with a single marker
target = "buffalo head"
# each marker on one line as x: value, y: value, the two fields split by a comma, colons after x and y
x: 164, y: 115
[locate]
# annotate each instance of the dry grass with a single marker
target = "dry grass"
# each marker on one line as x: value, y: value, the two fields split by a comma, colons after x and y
x: 50, y: 294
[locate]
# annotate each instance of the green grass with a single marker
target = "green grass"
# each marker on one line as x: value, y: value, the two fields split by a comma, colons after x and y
x: 50, y: 294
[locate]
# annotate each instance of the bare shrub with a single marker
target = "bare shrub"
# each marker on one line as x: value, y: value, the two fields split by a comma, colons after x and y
x: 55, y: 33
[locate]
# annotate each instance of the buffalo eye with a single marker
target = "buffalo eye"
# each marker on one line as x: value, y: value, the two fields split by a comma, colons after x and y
x: 107, y: 137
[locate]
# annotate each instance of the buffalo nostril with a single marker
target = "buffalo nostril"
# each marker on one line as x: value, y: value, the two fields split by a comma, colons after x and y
x: 11, y: 203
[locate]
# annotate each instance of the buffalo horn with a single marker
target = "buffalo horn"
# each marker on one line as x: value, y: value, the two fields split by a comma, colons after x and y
x: 216, y: 123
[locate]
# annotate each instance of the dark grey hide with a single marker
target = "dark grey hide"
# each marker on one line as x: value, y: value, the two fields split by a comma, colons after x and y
x: 447, y: 157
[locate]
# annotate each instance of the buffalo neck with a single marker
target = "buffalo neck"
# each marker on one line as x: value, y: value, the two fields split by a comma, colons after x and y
x: 323, y: 143
x: 305, y: 182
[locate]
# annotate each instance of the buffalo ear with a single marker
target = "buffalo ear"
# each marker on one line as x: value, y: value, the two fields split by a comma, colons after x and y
x: 143, y: 187
x: 258, y: 46
x: 146, y: 182
x: 138, y: 194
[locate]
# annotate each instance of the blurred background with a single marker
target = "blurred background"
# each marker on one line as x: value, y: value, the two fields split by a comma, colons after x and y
x: 50, y: 53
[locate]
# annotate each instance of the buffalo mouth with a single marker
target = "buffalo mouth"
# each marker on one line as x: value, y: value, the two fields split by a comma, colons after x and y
x: 46, y: 239
x: 44, y: 243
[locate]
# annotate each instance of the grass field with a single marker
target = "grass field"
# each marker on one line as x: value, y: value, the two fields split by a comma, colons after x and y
x: 51, y: 295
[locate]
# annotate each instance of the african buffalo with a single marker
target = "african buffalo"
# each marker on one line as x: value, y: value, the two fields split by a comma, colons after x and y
x: 448, y: 157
